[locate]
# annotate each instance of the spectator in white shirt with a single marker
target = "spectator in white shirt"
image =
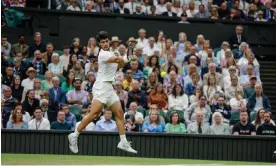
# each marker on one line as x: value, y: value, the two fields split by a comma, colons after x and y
x: 191, y: 10
x: 73, y: 6
x: 90, y: 126
x: 146, y: 7
x: 28, y: 83
x: 89, y: 6
x: 131, y: 6
x: 142, y: 40
x: 39, y: 123
x: 150, y: 48
x: 133, y: 111
x: 260, y: 16
x: 177, y: 99
x: 161, y: 7
x: 64, y: 59
x: 176, y: 7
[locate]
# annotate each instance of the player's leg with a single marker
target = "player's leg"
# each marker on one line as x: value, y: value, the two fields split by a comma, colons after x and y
x: 96, y: 108
x: 116, y: 108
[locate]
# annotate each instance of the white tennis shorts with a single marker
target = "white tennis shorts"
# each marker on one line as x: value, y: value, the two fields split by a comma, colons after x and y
x: 104, y: 92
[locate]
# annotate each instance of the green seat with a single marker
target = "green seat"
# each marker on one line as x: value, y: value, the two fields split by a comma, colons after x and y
x: 60, y: 52
x: 235, y: 118
x: 235, y: 53
x: 216, y: 50
x: 180, y: 114
x: 253, y: 116
x: 11, y: 60
x: 143, y: 111
x: 76, y: 110
x: 61, y: 78
x: 41, y: 77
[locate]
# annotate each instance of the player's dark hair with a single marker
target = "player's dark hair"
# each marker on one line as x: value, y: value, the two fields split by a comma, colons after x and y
x: 100, y: 36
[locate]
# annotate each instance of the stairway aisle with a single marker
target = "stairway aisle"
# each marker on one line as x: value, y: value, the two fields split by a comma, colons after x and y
x: 268, y: 78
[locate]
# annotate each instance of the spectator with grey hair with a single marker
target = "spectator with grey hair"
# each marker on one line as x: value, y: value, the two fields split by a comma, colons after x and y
x: 57, y: 95
x: 169, y: 12
x: 136, y: 73
x: 56, y: 67
x: 198, y: 126
x: 133, y: 111
x: 137, y: 95
x: 212, y: 71
x: 139, y: 10
x: 218, y: 127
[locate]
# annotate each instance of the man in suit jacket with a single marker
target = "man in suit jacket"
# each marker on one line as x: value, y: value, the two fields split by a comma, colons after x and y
x: 268, y: 13
x: 202, y: 13
x: 113, y: 6
x: 238, y: 38
x: 169, y: 13
x: 139, y: 10
x: 57, y: 95
x: 121, y: 9
x: 273, y: 19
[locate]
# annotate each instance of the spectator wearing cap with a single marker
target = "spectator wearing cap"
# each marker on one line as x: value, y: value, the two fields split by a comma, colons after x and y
x: 30, y: 103
x: 174, y: 125
x: 74, y: 6
x: 218, y: 127
x: 61, y: 123
x: 106, y: 124
x: 238, y: 38
x: 115, y: 44
x: 169, y: 12
x: 8, y: 77
x: 5, y: 46
x: 47, y: 56
x: 122, y: 94
x: 132, y: 111
x: 245, y: 79
x: 183, y: 19
x: 267, y: 128
x: 38, y: 122
x: 137, y: 95
x: 122, y: 9
x: 38, y: 45
x: 260, y: 16
x: 38, y: 63
x: 20, y: 47
x: 138, y: 10
x: 77, y: 96
x: 244, y: 127
x: 191, y: 9
x: 212, y: 71
x: 258, y: 100
x: 198, y: 126
x: 64, y: 59
x: 161, y: 7
x: 28, y: 83
x: 202, y: 13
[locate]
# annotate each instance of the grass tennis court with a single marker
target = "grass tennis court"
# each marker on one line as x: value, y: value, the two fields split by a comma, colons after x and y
x: 36, y: 159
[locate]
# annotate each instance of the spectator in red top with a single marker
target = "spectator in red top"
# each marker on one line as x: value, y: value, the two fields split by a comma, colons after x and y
x: 158, y: 97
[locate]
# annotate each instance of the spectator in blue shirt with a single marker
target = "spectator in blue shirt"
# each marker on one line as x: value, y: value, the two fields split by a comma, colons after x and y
x: 136, y: 73
x: 154, y: 123
x: 69, y: 117
x: 106, y: 124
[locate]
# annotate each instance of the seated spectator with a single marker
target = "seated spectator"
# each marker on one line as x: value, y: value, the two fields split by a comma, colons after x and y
x: 61, y: 123
x: 227, y: 62
x: 47, y: 83
x: 122, y: 9
x: 205, y: 53
x: 258, y: 100
x: 158, y: 97
x: 28, y: 83
x: 188, y: 60
x: 169, y: 62
x: 17, y: 89
x: 37, y: 89
x: 16, y: 121
x: 106, y: 124
x: 93, y: 66
x: 250, y: 90
x: 38, y: 45
x: 218, y: 76
x: 19, y: 67
x: 55, y: 67
x: 151, y: 82
x: 202, y: 13
x: 222, y: 108
x: 77, y: 96
x: 138, y: 96
x: 69, y: 83
x: 177, y: 99
x: 195, y: 96
x: 76, y: 48
x: 190, y: 87
x: 133, y: 111
x: 244, y: 60
x: 201, y: 106
x: 241, y: 52
x: 169, y: 12
x: 38, y: 63
x: 251, y: 59
x: 223, y: 11
x: 238, y: 103
x: 153, y: 62
x: 9, y: 103
x: 70, y: 118
x: 171, y: 83
x: 136, y: 73
x: 90, y: 126
x: 138, y: 10
x: 260, y: 119
x: 46, y: 113
x: 87, y: 85
x: 25, y: 114
x: 244, y: 127
x: 232, y: 72
x: 128, y: 81
x: 65, y: 58
x: 8, y: 77
x: 73, y: 6
x: 78, y: 70
x: 57, y: 95
x: 146, y: 6
x: 218, y: 127
x: 161, y: 7
x: 123, y: 95
x: 5, y: 46
x: 84, y: 57
x: 260, y: 16
x: 177, y: 7
x: 174, y: 126
x: 89, y: 6
x: 131, y: 5
x: 198, y: 126
x: 184, y: 19
x: 30, y: 102
x: 38, y: 122
x: 174, y: 68
x: 211, y: 90
x: 267, y: 128
x: 153, y: 124
x: 214, y: 14
x: 20, y: 47
x: 191, y: 9
x: 130, y: 123
x: 72, y: 61
x: 245, y: 79
x: 231, y: 90
x: 221, y: 54
x: 209, y: 60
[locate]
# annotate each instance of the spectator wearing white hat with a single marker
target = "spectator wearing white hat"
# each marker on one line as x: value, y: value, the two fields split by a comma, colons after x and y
x: 28, y: 83
x: 115, y: 44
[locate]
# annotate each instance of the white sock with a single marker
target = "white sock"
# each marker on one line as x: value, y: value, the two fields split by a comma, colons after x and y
x: 123, y: 138
x: 76, y: 132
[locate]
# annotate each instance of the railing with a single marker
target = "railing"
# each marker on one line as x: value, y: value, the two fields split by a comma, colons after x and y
x: 153, y: 145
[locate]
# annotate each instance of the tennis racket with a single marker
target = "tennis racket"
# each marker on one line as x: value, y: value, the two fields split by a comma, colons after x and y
x: 130, y: 50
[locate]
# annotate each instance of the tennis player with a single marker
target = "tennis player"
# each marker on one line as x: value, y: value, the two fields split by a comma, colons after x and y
x: 104, y: 94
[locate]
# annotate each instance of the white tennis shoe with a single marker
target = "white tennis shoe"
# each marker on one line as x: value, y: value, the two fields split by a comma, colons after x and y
x: 73, y: 142
x: 126, y: 146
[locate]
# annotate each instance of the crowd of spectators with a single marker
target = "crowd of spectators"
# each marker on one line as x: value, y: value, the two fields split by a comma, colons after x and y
x: 173, y: 86
x: 251, y: 10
